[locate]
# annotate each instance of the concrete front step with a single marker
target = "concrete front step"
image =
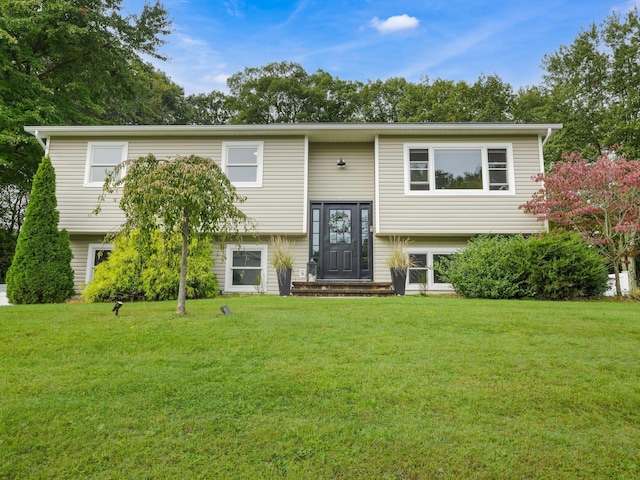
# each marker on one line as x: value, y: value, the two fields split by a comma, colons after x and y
x: 341, y: 289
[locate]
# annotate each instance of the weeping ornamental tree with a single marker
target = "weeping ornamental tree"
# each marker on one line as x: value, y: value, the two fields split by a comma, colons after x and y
x: 41, y: 268
x: 600, y: 200
x: 188, y: 195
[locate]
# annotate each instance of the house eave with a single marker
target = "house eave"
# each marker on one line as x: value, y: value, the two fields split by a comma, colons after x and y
x: 315, y: 132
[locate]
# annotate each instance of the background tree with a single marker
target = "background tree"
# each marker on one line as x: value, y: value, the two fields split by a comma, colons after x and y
x: 66, y: 62
x: 41, y: 268
x: 594, y: 89
x: 276, y: 93
x: 600, y: 200
x: 487, y: 100
x: 207, y: 109
x: 189, y: 196
x: 381, y: 101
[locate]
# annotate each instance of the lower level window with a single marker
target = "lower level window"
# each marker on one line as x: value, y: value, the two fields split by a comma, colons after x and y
x: 246, y: 268
x: 425, y: 274
x: 98, y: 253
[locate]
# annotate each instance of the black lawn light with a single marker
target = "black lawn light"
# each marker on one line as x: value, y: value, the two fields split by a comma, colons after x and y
x: 116, y: 307
x: 226, y: 310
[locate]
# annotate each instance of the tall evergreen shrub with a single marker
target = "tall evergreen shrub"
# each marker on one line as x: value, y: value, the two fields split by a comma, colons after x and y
x: 41, y: 268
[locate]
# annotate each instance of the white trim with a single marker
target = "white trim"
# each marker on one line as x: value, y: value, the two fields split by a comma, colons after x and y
x: 259, y: 146
x: 541, y: 153
x: 91, y: 254
x: 483, y: 147
x: 376, y: 175
x: 305, y: 203
x: 228, y: 274
x: 91, y: 146
x: 357, y: 132
x: 431, y: 285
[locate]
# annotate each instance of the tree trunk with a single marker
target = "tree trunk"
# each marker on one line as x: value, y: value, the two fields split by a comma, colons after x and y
x: 616, y: 271
x: 632, y: 273
x: 182, y: 287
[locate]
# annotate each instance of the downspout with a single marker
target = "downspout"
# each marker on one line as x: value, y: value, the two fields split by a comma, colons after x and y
x: 546, y: 139
x: 45, y: 146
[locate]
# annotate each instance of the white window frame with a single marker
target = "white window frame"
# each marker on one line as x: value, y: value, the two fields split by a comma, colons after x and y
x: 484, y: 149
x: 259, y: 146
x: 91, y: 256
x: 228, y: 275
x: 430, y: 285
x: 89, y: 162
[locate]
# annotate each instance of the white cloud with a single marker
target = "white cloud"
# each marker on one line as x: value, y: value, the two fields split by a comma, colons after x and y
x: 234, y: 7
x: 627, y: 6
x: 397, y: 23
x: 187, y: 41
x: 218, y: 79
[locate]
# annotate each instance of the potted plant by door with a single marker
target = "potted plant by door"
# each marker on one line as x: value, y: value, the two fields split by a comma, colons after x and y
x: 399, y: 263
x: 282, y: 260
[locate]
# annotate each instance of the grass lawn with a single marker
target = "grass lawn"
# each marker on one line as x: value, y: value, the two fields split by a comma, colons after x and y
x: 366, y: 388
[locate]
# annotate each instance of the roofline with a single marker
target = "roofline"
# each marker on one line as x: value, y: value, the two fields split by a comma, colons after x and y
x: 319, y: 131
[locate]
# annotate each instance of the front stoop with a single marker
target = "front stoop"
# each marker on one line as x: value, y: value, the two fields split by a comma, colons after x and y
x: 341, y: 289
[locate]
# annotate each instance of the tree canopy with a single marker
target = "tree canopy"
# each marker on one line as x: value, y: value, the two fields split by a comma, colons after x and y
x: 593, y: 87
x: 65, y: 62
x: 190, y: 196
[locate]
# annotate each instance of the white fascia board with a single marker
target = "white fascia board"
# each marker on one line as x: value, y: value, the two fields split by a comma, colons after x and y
x: 345, y: 132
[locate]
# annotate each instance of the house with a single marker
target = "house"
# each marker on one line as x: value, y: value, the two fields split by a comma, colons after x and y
x: 338, y: 192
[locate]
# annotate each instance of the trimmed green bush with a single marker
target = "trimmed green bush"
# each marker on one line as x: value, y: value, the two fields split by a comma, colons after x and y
x: 120, y: 276
x: 41, y: 268
x: 490, y: 267
x: 136, y: 270
x: 549, y: 266
x: 563, y: 266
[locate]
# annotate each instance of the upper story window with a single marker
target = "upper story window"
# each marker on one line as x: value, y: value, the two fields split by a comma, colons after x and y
x: 458, y: 169
x: 242, y: 162
x: 103, y: 157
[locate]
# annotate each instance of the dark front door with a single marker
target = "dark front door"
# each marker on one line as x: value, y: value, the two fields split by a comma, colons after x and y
x: 340, y: 240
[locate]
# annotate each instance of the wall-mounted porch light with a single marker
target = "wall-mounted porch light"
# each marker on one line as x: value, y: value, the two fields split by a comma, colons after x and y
x: 341, y: 162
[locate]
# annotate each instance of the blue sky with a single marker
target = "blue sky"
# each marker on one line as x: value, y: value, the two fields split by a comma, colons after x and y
x: 372, y: 39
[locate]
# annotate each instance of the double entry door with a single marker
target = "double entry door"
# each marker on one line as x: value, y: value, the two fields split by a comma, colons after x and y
x: 340, y: 240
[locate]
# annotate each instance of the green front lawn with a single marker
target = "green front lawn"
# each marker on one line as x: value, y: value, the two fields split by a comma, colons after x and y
x: 367, y: 388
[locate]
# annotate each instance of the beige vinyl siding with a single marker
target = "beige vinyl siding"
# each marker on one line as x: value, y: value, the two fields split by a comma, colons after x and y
x: 279, y: 205
x: 276, y: 207
x: 75, y: 202
x: 80, y: 249
x: 451, y: 214
x: 330, y: 183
